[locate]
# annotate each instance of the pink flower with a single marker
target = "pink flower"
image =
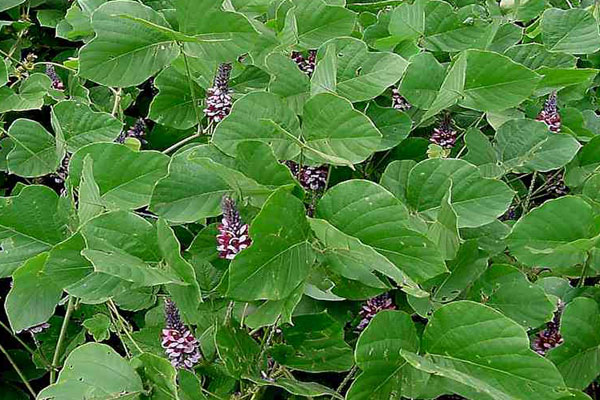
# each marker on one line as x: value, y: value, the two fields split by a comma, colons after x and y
x: 306, y: 65
x: 178, y: 341
x: 372, y: 307
x: 444, y: 136
x: 549, y: 114
x: 233, y: 234
x: 398, y: 101
x: 218, y: 97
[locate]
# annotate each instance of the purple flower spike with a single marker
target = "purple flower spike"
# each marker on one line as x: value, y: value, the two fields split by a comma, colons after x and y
x: 398, y: 101
x: 178, y: 341
x: 549, y: 114
x: 372, y: 307
x: 306, y: 65
x: 233, y: 233
x: 444, y: 136
x: 56, y: 81
x: 218, y: 97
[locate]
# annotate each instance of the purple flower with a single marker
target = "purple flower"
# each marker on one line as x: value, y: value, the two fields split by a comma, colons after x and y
x: 218, y: 97
x: 549, y: 114
x: 311, y: 178
x: 556, y: 186
x: 178, y: 341
x: 550, y: 337
x: 137, y: 131
x: 444, y: 136
x: 56, y: 81
x: 60, y: 176
x: 233, y: 233
x: 372, y: 307
x: 306, y: 65
x: 398, y: 101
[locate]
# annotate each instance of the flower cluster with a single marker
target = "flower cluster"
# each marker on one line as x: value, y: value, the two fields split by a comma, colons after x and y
x: 444, y: 136
x: 372, y: 307
x: 311, y: 178
x: 178, y: 341
x: 56, y: 81
x: 60, y: 176
x: 549, y: 114
x: 137, y: 131
x: 556, y: 186
x: 233, y: 233
x: 306, y: 64
x: 398, y: 101
x: 550, y: 337
x: 218, y: 97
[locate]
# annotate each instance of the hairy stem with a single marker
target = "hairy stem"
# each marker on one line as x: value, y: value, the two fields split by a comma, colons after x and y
x: 61, y: 339
x: 18, y: 371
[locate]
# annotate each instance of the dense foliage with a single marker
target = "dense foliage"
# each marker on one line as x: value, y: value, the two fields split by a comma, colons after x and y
x: 299, y: 199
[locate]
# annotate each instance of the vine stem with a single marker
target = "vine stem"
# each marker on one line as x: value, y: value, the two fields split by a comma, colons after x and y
x: 529, y: 193
x: 347, y: 379
x: 18, y: 371
x: 584, y: 270
x: 120, y: 319
x: 115, y: 108
x: 18, y: 339
x: 61, y: 339
x: 56, y: 65
x: 191, y: 85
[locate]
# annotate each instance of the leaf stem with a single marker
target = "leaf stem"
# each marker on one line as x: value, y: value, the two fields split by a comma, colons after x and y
x: 18, y: 371
x: 191, y: 85
x: 584, y: 270
x: 182, y: 142
x: 115, y: 310
x: 25, y: 345
x: 115, y: 108
x: 61, y: 339
x: 347, y: 379
x: 56, y: 65
x: 529, y: 193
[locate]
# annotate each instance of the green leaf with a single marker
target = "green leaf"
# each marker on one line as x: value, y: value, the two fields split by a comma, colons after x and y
x: 238, y: 351
x: 479, y: 347
x: 577, y: 357
x: 477, y: 201
x: 378, y: 355
x: 422, y: 81
x: 556, y: 234
x: 80, y: 125
x: 314, y: 343
x: 354, y: 260
x: 36, y: 152
x: 452, y: 87
x: 280, y: 256
x: 316, y: 22
x: 32, y: 292
x: 30, y: 95
x: 555, y: 79
x: 408, y: 21
x: 288, y: 81
x: 259, y: 116
x: 190, y: 191
x: 525, y: 145
x: 444, y: 230
x: 174, y: 106
x: 508, y: 290
x: 494, y: 82
x: 333, y: 127
x: 573, y: 31
x: 259, y: 163
x: 8, y: 4
x: 125, y: 177
x: 395, y: 177
x: 469, y: 264
x: 125, y: 51
x: 305, y: 389
x: 481, y: 152
x: 362, y: 75
x: 98, y: 326
x: 394, y: 125
x: 96, y: 371
x: 371, y: 214
x: 158, y: 374
x: 535, y: 55
x: 187, y: 297
x: 90, y: 202
x: 221, y: 36
x: 30, y: 223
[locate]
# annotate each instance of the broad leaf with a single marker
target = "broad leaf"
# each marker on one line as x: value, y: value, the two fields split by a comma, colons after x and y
x: 280, y: 256
x: 29, y: 96
x: 573, y: 31
x: 316, y: 22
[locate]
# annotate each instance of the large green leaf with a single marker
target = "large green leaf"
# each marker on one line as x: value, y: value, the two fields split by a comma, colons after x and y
x: 190, y: 192
x: 314, y: 343
x: 556, y: 234
x: 371, y: 214
x: 288, y: 81
x: 125, y: 177
x: 535, y: 55
x: 238, y: 351
x: 174, y: 105
x: 573, y: 31
x: 158, y: 374
x: 35, y: 152
x: 477, y: 346
x: 476, y: 200
x: 129, y: 46
x: 221, y: 35
x: 259, y: 116
x: 578, y: 357
x: 377, y: 354
x: 527, y: 145
x: 29, y: 96
x: 394, y: 125
x: 79, y: 125
x: 95, y: 371
x: 280, y: 256
x: 30, y: 223
x: 316, y: 22
x: 32, y: 292
x: 494, y: 82
x: 361, y: 75
x: 334, y: 128
x: 422, y: 80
